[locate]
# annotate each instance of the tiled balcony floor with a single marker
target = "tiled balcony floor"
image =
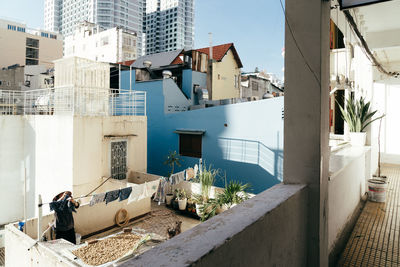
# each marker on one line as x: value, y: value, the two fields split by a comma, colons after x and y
x: 375, y: 240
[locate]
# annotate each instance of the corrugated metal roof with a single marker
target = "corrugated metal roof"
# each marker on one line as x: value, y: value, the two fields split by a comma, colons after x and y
x: 158, y: 60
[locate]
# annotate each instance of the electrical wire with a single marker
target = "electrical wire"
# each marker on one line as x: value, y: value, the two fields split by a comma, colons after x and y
x: 297, y: 45
x: 365, y: 47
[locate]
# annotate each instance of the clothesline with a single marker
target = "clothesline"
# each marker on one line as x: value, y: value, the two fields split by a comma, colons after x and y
x: 87, y: 195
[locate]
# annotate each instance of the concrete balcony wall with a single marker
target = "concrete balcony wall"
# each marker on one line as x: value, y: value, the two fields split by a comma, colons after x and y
x: 267, y: 230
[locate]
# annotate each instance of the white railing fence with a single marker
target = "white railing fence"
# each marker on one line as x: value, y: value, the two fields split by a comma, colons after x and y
x: 73, y: 101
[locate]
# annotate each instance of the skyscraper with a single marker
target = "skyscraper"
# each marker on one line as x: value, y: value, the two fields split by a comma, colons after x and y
x: 168, y: 25
x: 64, y: 15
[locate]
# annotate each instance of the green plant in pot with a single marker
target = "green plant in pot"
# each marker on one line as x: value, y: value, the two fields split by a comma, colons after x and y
x: 182, y: 199
x: 206, y: 180
x: 233, y: 194
x: 358, y: 116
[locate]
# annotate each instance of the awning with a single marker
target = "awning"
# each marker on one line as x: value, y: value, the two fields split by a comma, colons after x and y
x: 194, y: 132
x: 119, y: 135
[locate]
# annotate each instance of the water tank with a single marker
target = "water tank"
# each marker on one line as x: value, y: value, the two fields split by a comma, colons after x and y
x: 166, y: 74
x: 268, y: 95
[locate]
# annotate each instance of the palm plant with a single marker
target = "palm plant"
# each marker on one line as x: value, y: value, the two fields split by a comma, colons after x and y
x: 358, y: 114
x: 172, y: 159
x: 234, y: 193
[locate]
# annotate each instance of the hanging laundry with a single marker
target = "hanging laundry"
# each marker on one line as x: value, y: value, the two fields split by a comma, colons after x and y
x: 136, y: 192
x: 97, y: 198
x: 196, y: 170
x: 144, y: 193
x: 112, y: 196
x: 161, y: 190
x: 177, y: 177
x: 152, y: 187
x: 125, y: 193
x: 189, y: 174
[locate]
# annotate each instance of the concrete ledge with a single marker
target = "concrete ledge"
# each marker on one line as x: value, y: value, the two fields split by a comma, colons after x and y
x: 270, y: 227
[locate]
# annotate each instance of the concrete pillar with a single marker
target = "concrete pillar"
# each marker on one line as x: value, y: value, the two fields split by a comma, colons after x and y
x: 306, y: 152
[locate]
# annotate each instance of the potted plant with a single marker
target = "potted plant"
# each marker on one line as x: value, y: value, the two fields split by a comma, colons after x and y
x: 206, y: 178
x: 358, y: 116
x: 182, y: 200
x: 234, y: 193
x: 168, y: 198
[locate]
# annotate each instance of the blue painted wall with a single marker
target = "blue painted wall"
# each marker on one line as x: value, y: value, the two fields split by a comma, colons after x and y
x: 249, y: 148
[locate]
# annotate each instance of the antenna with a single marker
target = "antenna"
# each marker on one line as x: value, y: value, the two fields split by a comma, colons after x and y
x: 211, y: 47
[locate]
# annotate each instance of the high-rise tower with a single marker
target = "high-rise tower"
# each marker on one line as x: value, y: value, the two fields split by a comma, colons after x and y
x: 64, y: 15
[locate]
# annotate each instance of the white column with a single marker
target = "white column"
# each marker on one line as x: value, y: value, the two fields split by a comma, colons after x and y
x: 306, y: 153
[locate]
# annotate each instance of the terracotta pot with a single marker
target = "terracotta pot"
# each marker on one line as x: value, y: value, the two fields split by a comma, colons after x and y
x: 168, y: 198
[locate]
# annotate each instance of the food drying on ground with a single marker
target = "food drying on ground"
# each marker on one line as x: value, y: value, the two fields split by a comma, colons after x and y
x: 158, y: 222
x: 108, y: 249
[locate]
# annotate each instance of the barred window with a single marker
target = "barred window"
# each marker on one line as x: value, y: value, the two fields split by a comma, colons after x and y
x: 119, y: 159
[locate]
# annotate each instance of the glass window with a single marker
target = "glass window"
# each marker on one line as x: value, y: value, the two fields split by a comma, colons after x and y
x: 190, y: 145
x: 32, y: 42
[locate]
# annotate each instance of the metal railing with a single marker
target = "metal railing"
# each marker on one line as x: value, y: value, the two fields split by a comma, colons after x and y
x: 72, y: 100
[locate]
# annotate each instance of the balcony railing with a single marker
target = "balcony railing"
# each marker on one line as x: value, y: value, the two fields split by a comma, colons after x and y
x: 72, y: 100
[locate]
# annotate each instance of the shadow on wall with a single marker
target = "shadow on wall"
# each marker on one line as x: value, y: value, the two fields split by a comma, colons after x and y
x: 243, y: 141
x: 254, y: 162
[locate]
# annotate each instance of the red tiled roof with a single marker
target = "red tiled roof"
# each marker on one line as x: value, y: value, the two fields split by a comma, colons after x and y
x: 127, y: 63
x: 219, y: 51
x: 177, y: 61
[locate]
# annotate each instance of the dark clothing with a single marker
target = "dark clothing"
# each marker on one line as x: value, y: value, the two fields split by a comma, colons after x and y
x: 112, y: 196
x: 68, y: 235
x: 125, y: 193
x: 63, y: 212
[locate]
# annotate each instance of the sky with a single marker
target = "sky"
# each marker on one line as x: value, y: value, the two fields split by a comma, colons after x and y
x: 256, y: 27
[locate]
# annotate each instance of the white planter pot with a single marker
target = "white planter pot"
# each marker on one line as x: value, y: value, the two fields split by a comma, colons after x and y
x: 357, y: 139
x: 168, y: 198
x: 182, y: 203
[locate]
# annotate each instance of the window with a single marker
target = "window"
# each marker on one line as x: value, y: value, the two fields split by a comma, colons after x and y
x: 32, y: 42
x: 119, y: 159
x: 254, y: 86
x: 31, y: 61
x: 190, y: 145
x: 104, y: 41
x: 32, y: 53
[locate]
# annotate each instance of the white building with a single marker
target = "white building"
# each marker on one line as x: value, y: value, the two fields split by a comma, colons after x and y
x: 25, y: 46
x: 169, y: 25
x: 93, y: 42
x: 64, y: 15
x: 58, y: 139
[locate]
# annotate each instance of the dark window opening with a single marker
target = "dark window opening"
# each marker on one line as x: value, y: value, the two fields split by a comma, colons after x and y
x: 190, y: 145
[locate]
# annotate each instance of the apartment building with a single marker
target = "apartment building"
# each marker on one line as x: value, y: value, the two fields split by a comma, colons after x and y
x: 65, y: 15
x: 93, y: 42
x: 25, y: 46
x: 169, y: 25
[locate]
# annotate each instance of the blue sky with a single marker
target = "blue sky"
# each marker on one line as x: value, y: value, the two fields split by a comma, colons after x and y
x: 255, y: 26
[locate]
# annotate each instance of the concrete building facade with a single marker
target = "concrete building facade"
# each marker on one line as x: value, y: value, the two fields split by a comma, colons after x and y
x: 67, y: 138
x: 26, y: 77
x: 169, y: 25
x: 25, y: 46
x: 95, y: 43
x: 65, y: 15
x: 254, y: 86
